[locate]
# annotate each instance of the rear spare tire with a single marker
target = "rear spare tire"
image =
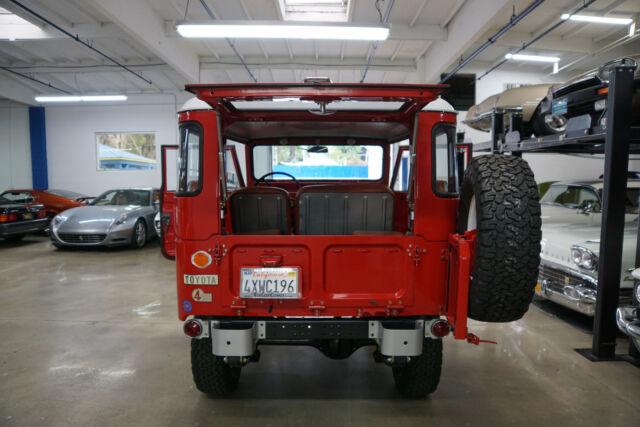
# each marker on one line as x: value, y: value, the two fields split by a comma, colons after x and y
x: 499, y: 199
x: 210, y: 373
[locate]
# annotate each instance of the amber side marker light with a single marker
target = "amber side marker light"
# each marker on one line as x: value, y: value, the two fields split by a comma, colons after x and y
x: 201, y: 259
x: 441, y: 328
x: 192, y: 328
x: 603, y: 91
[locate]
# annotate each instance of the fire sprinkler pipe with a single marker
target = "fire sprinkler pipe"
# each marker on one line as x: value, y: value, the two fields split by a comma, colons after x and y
x: 544, y: 33
x: 231, y: 45
x: 33, y: 79
x: 76, y: 38
x: 492, y: 39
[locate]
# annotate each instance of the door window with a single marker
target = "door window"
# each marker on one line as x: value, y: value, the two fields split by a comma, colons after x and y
x: 445, y: 165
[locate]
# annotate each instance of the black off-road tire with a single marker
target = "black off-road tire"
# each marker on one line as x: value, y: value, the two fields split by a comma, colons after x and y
x: 210, y: 374
x: 420, y: 377
x: 507, y: 252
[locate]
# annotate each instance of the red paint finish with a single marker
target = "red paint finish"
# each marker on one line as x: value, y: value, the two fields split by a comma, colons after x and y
x: 419, y: 270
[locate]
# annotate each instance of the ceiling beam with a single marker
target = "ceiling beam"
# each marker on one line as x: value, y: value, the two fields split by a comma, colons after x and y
x: 308, y: 62
x: 469, y: 25
x: 14, y: 89
x: 141, y: 22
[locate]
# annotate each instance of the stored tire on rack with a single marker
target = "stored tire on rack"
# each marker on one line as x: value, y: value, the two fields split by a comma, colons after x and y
x: 421, y: 375
x: 499, y: 199
x: 210, y: 374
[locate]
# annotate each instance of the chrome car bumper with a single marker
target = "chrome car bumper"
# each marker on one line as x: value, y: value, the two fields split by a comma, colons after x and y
x: 571, y: 289
x: 628, y: 319
x: 91, y: 238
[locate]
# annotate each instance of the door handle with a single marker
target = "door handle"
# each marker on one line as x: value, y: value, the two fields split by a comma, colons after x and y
x: 271, y: 261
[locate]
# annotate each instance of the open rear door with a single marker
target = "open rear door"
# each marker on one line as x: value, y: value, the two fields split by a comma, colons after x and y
x: 167, y: 200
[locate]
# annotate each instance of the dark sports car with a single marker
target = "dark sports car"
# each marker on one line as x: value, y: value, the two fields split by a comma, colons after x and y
x: 19, y: 219
x: 586, y: 95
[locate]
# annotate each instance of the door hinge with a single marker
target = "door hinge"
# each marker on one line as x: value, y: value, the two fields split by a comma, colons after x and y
x: 416, y: 252
x: 219, y: 252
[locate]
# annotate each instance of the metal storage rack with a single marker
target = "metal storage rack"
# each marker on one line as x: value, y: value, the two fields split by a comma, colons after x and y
x: 616, y: 141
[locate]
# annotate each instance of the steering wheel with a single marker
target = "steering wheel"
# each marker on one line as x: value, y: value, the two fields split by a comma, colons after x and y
x: 263, y: 178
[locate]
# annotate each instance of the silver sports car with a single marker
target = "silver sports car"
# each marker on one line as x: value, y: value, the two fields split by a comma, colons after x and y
x: 116, y: 217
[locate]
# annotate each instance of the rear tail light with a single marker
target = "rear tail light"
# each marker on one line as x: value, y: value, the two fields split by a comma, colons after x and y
x: 42, y: 214
x: 8, y: 217
x: 193, y: 328
x: 440, y: 328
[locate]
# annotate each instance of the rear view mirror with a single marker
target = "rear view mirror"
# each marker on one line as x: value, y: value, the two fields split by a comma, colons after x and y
x: 317, y: 149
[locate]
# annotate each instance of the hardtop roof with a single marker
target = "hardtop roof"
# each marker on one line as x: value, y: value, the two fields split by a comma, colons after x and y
x: 246, y: 124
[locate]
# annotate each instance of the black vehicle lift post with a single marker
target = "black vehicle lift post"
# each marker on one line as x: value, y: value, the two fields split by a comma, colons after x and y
x: 497, y: 132
x: 616, y: 148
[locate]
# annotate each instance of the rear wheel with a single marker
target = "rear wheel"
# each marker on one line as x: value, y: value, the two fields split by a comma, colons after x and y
x: 210, y: 373
x: 139, y: 237
x: 499, y: 200
x: 421, y: 375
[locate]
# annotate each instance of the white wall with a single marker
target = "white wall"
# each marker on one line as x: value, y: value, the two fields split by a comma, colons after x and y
x: 71, y: 142
x: 546, y: 167
x: 15, y: 146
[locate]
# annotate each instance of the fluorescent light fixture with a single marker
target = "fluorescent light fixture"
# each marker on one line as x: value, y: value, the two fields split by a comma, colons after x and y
x: 597, y: 19
x: 84, y: 98
x: 632, y: 29
x: 532, y: 58
x: 251, y: 30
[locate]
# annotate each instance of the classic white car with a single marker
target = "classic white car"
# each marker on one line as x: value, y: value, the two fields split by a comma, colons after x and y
x: 570, y: 244
x: 628, y: 317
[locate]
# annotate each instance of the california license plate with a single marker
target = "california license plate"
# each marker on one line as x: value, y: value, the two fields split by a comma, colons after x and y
x: 269, y: 283
x: 559, y: 107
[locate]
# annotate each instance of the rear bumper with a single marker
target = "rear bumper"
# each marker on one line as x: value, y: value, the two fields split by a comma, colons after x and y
x: 22, y: 227
x: 571, y: 289
x: 239, y: 338
x: 628, y: 320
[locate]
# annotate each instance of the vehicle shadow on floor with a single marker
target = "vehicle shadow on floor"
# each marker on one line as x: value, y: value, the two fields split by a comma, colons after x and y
x: 579, y: 321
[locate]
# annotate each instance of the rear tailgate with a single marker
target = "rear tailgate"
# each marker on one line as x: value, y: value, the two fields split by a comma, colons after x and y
x: 375, y: 275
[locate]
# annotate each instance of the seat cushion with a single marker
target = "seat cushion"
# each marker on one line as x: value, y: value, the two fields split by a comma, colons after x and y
x: 341, y: 209
x: 260, y: 210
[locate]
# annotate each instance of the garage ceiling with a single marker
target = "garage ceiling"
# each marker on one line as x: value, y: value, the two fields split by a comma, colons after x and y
x: 428, y: 38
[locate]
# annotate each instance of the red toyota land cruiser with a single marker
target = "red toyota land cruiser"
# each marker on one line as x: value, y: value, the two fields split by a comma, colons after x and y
x: 354, y: 228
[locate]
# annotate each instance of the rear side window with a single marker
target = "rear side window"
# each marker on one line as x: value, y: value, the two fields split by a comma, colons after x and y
x: 445, y: 165
x: 18, y: 196
x: 189, y: 160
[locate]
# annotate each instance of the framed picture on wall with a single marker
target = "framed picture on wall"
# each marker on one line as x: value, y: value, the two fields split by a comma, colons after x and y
x: 126, y: 151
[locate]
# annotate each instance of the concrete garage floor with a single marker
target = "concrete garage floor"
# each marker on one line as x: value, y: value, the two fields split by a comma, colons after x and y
x: 91, y: 338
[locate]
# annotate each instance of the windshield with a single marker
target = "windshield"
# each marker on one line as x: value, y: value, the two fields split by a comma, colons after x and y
x: 319, y: 162
x: 575, y: 196
x: 66, y: 193
x: 123, y: 198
